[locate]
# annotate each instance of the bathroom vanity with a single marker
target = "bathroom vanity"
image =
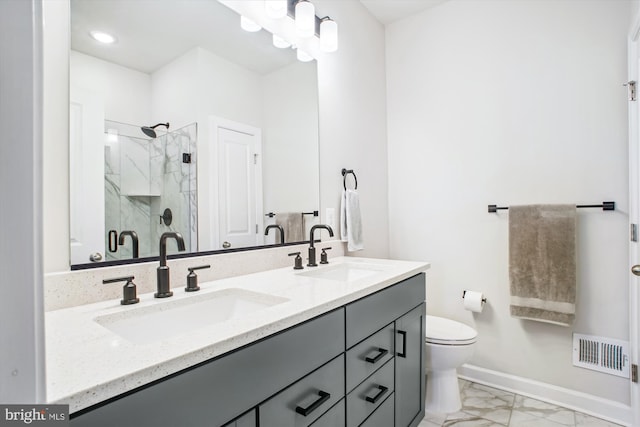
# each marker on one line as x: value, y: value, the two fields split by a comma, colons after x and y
x: 337, y: 345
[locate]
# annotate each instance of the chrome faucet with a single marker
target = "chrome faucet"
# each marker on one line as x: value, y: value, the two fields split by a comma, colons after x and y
x: 277, y: 227
x: 134, y: 240
x: 164, y: 289
x: 312, y: 248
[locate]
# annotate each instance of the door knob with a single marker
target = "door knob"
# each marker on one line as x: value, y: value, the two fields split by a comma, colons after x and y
x: 227, y: 245
x: 636, y: 269
x: 97, y: 257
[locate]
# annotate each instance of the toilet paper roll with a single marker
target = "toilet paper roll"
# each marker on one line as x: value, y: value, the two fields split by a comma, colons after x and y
x: 473, y: 301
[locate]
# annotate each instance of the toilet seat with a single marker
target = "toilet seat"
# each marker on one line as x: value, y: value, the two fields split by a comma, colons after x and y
x: 439, y: 330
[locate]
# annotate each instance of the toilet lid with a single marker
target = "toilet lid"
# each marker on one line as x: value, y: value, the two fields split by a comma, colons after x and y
x: 439, y: 330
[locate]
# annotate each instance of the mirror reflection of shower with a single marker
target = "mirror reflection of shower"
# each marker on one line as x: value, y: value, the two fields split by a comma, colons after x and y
x: 143, y: 179
x: 150, y: 131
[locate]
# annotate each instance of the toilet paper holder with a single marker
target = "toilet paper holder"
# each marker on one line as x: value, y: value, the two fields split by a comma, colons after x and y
x: 484, y: 300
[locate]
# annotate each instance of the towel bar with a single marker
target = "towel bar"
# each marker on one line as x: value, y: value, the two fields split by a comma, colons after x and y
x: 314, y: 213
x: 606, y: 206
x: 346, y: 172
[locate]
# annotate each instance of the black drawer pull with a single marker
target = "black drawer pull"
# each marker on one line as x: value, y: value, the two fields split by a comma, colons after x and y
x: 404, y: 344
x: 381, y: 353
x: 382, y: 390
x: 324, y: 396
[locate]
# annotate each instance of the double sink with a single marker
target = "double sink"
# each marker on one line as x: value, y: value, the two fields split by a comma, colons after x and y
x: 166, y: 319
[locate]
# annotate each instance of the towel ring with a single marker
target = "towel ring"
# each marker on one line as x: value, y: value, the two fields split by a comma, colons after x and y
x: 346, y: 172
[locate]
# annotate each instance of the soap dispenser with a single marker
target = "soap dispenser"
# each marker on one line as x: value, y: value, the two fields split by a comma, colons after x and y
x: 192, y: 278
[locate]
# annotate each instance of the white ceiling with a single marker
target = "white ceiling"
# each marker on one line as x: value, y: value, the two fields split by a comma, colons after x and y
x: 388, y: 11
x: 152, y: 33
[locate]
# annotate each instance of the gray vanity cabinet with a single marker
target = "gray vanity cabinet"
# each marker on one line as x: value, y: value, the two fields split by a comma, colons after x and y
x: 391, y: 319
x: 360, y: 365
x: 215, y: 392
x: 383, y: 416
x: 247, y: 420
x: 409, y: 360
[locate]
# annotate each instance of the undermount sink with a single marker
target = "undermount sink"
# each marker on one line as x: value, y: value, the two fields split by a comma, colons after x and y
x: 346, y: 272
x: 148, y: 324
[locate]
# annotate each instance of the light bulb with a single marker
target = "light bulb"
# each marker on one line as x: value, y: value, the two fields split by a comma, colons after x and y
x: 305, y: 19
x: 328, y: 35
x: 279, y: 42
x: 303, y: 56
x: 249, y: 25
x: 276, y: 9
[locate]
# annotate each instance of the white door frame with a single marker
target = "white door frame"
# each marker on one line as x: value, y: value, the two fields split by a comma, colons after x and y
x: 634, y: 213
x: 216, y: 123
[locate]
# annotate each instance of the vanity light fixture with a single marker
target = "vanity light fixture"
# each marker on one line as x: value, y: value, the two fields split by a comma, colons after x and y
x: 305, y: 18
x: 305, y: 26
x: 276, y: 9
x: 328, y: 35
x: 249, y: 25
x: 102, y: 37
x: 280, y: 43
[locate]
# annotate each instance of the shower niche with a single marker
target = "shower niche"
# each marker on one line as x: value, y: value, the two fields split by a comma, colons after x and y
x: 148, y: 178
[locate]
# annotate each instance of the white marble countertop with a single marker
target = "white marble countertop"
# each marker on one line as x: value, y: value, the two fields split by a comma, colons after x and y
x: 87, y: 363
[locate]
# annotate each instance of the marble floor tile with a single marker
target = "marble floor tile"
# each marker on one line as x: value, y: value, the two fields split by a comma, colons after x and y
x: 523, y: 419
x: 544, y: 410
x: 584, y: 420
x: 426, y: 423
x: 487, y: 403
x: 485, y: 406
x: 462, y: 418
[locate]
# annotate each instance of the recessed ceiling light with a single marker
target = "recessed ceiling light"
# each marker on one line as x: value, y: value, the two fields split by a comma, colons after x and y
x: 102, y: 37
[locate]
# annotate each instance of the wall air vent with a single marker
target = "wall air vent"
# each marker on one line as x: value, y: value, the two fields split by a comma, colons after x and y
x: 606, y: 355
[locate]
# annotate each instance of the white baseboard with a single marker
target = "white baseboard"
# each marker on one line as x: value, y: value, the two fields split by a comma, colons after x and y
x: 582, y: 402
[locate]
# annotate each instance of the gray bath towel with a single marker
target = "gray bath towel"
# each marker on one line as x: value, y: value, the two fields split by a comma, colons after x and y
x: 293, y: 226
x: 542, y: 262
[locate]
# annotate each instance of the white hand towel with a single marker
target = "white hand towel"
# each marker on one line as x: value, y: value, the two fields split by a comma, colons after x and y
x: 351, y: 221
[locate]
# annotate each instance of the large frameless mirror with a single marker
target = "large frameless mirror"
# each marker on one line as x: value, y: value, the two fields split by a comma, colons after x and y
x: 186, y: 123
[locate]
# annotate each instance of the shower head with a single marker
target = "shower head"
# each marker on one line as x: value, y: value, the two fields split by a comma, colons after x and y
x: 149, y: 130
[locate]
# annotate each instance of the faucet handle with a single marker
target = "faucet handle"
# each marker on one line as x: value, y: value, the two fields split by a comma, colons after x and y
x: 128, y: 290
x: 323, y: 256
x: 192, y: 279
x: 298, y: 261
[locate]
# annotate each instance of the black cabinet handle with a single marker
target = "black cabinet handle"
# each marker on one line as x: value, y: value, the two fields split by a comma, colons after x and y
x: 404, y: 344
x: 324, y: 396
x: 381, y: 353
x: 381, y: 391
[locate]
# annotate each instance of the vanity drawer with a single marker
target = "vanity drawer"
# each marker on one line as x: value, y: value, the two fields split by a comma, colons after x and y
x: 247, y: 420
x: 333, y: 417
x: 366, y: 357
x: 365, y: 398
x: 383, y: 416
x: 371, y: 313
x: 302, y: 403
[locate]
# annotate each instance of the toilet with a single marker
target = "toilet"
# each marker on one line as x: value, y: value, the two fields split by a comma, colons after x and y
x: 448, y: 344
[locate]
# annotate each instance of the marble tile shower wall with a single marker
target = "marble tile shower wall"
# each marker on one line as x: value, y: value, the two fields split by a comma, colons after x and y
x: 144, y: 177
x: 178, y: 182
